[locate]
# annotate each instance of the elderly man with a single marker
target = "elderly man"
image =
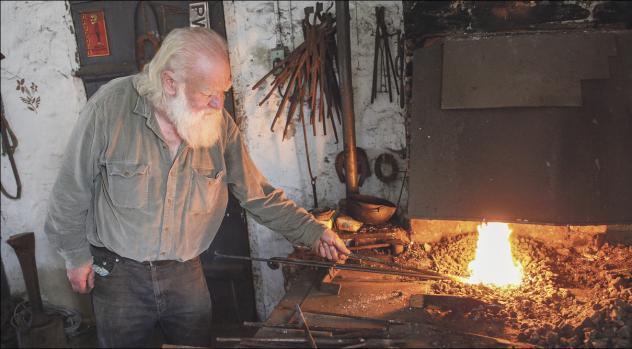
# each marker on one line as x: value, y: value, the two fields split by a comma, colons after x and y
x: 143, y: 188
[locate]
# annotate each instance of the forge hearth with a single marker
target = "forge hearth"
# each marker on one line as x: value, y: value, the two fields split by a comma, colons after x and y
x: 573, y: 294
x: 569, y: 297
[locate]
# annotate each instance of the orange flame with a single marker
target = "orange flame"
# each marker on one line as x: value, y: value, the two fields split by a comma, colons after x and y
x: 494, y: 263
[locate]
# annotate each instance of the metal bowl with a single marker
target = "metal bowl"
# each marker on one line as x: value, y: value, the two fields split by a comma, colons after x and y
x: 370, y: 209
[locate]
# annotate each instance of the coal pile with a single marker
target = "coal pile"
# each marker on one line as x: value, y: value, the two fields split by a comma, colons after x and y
x: 570, y: 297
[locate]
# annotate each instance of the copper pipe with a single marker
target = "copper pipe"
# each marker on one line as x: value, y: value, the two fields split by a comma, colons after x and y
x: 346, y: 91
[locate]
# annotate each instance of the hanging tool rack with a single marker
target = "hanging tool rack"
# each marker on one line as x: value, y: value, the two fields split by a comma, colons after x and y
x: 308, y: 76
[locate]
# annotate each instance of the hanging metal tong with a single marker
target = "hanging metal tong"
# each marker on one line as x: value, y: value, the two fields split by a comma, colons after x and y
x: 307, y: 76
x: 383, y: 59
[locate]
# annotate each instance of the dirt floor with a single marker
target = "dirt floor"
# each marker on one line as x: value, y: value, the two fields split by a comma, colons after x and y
x: 570, y: 297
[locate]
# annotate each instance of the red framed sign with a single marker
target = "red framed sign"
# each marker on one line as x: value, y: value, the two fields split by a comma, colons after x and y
x: 96, y: 35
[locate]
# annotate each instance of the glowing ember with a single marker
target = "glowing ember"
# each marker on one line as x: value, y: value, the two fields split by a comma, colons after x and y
x: 493, y: 263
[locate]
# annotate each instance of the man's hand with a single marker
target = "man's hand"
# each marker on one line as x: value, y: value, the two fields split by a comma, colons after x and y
x: 330, y: 246
x: 82, y: 278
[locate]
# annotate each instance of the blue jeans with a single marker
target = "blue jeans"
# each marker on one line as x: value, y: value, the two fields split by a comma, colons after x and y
x: 135, y: 297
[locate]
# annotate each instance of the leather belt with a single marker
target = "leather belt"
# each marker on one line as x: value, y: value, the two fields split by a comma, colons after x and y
x: 159, y: 263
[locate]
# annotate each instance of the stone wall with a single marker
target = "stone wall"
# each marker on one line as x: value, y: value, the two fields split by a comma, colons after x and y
x: 252, y: 28
x: 42, y: 101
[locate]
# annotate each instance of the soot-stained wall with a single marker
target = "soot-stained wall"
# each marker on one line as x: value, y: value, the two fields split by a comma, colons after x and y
x: 428, y: 23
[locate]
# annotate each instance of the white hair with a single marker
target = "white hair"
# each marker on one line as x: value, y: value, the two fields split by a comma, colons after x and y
x: 178, y: 52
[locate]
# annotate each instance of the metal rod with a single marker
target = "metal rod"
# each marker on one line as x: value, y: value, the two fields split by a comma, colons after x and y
x: 376, y: 53
x: 376, y: 260
x: 368, y: 247
x: 399, y: 266
x: 372, y: 259
x: 402, y: 60
x: 443, y: 329
x: 321, y: 341
x: 308, y: 334
x: 322, y: 331
x: 389, y: 263
x: 346, y: 91
x: 354, y: 317
x: 328, y: 265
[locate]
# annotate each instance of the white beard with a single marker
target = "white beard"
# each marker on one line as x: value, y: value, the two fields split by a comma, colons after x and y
x: 199, y: 129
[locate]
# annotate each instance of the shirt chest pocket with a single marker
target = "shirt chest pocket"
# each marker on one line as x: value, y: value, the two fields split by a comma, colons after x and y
x: 128, y: 184
x: 205, y: 188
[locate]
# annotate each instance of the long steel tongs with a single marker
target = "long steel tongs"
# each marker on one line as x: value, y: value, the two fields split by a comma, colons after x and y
x: 426, y: 275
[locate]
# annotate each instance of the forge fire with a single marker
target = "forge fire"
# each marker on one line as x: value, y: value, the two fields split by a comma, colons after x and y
x: 494, y: 263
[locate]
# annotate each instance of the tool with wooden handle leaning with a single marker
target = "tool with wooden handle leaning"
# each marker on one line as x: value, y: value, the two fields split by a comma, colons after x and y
x: 303, y: 323
x: 45, y: 331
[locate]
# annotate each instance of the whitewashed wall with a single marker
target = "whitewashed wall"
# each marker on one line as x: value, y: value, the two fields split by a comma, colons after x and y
x: 39, y: 45
x: 251, y: 30
x: 38, y: 40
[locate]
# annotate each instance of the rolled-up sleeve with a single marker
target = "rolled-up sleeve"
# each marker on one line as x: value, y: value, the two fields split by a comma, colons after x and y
x: 265, y: 204
x: 71, y: 196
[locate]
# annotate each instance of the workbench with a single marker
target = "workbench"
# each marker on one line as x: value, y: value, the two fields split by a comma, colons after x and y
x: 369, y: 311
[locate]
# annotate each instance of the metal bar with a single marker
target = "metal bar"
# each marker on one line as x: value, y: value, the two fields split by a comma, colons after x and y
x: 376, y: 53
x: 299, y: 331
x: 356, y: 317
x: 294, y: 102
x: 389, y: 58
x: 288, y: 90
x: 346, y: 89
x: 282, y: 63
x: 289, y: 328
x: 308, y: 334
x: 368, y: 247
x: 375, y: 260
x: 402, y: 61
x: 370, y: 259
x: 305, y: 84
x: 364, y: 333
x: 385, y: 52
x: 322, y: 331
x: 318, y: 264
x: 293, y: 340
x: 442, y: 329
x: 396, y: 265
x: 389, y: 63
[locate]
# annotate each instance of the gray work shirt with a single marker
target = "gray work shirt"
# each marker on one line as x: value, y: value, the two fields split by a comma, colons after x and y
x: 119, y: 188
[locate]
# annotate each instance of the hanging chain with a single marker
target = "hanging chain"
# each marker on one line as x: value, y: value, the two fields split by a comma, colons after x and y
x: 279, y: 29
x: 357, y: 25
x: 292, y: 25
